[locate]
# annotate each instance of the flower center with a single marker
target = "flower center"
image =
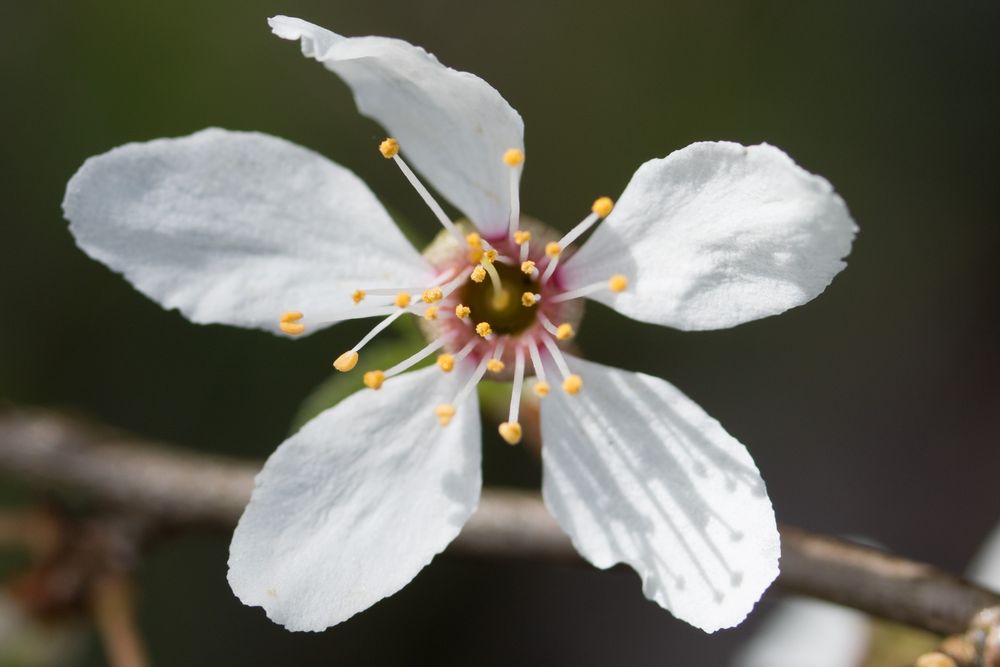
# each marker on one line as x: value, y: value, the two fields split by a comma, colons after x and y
x: 503, y: 309
x: 494, y: 306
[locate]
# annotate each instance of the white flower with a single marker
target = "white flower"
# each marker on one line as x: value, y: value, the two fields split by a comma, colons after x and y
x: 237, y: 228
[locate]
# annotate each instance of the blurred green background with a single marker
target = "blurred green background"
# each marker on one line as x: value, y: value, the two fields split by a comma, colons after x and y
x: 871, y: 411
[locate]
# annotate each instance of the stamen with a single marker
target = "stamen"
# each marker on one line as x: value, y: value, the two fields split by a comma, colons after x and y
x: 514, y: 158
x: 452, y: 285
x: 431, y: 313
x: 522, y: 236
x: 374, y: 379
x: 601, y: 208
x: 289, y: 323
x: 478, y: 274
x: 464, y: 352
x: 436, y: 283
x: 402, y: 300
x: 510, y: 432
x: 416, y: 358
x: 347, y: 361
x: 547, y: 324
x: 541, y: 387
x: 572, y: 383
x: 446, y: 362
x: 475, y: 242
x: 495, y: 365
x: 528, y: 267
x: 461, y: 312
x: 432, y: 295
x: 617, y: 283
x: 552, y: 251
x: 390, y: 150
x: 528, y: 299
x: 484, y: 329
x: 446, y: 411
x: 515, y: 393
x: 564, y: 331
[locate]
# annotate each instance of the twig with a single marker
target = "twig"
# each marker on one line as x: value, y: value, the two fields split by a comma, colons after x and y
x: 183, y: 488
x: 112, y: 601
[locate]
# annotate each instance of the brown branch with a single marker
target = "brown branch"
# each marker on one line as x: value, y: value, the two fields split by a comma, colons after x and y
x: 112, y: 601
x: 178, y: 487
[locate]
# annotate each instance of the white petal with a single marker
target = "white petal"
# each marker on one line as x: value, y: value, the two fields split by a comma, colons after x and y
x: 237, y: 227
x: 803, y: 631
x: 717, y: 234
x: 635, y: 472
x: 348, y: 510
x: 453, y: 126
x: 985, y: 566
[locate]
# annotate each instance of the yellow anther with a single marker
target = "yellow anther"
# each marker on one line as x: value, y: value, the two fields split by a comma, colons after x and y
x: 564, y: 331
x: 513, y: 157
x: 572, y: 384
x: 617, y: 283
x: 292, y: 328
x: 432, y: 295
x: 541, y: 389
x: 552, y: 249
x: 444, y: 413
x: 374, y: 379
x: 478, y: 274
x: 484, y: 329
x: 346, y: 361
x: 490, y: 255
x: 402, y: 300
x: 511, y: 432
x: 461, y: 312
x: 475, y: 255
x: 358, y: 296
x: 431, y: 313
x: 289, y: 323
x: 495, y: 366
x: 446, y: 362
x: 389, y: 148
x: 603, y: 206
x: 528, y: 267
x: 474, y: 240
x: 522, y: 236
x: 528, y: 299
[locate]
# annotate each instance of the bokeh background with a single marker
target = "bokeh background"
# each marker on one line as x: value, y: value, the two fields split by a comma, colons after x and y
x: 871, y: 411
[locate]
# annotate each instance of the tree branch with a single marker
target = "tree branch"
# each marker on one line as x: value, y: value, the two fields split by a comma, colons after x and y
x: 183, y: 488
